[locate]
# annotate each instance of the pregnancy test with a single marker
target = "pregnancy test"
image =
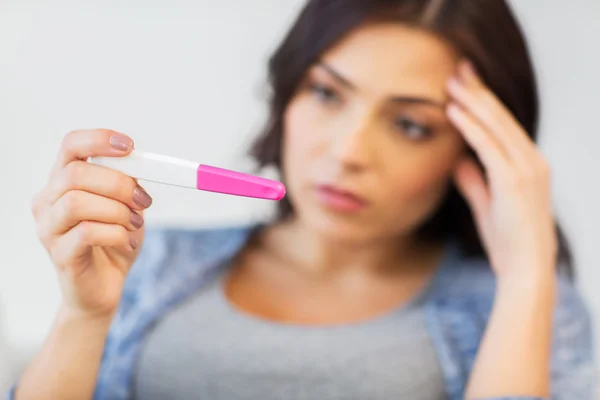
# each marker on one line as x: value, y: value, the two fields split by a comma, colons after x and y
x: 174, y: 171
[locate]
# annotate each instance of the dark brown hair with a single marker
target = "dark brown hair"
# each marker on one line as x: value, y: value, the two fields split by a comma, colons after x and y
x: 486, y: 32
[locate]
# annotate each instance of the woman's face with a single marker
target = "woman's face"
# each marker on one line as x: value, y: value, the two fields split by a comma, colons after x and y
x: 368, y: 151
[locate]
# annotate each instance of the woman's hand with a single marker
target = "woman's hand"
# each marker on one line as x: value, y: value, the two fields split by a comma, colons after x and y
x: 89, y: 219
x: 512, y: 203
x: 512, y: 209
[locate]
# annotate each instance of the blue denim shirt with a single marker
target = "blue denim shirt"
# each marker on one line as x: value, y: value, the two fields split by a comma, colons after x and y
x: 173, y: 264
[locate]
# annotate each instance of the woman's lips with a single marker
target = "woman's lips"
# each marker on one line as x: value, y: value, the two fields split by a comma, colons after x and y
x: 339, y: 199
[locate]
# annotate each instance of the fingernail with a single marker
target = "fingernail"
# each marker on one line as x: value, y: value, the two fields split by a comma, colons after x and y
x: 133, y: 243
x: 121, y: 142
x: 136, y: 220
x: 141, y: 198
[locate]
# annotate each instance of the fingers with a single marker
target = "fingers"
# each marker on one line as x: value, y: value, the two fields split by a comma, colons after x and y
x: 488, y: 126
x: 471, y: 184
x: 88, y: 201
x: 76, y: 206
x: 95, y: 179
x: 486, y: 146
x: 468, y: 90
x: 79, y: 240
x: 82, y: 144
x: 79, y: 206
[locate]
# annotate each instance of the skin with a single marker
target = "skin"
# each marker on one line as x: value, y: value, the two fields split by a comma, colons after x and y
x: 323, y: 266
x: 350, y: 125
x: 349, y: 132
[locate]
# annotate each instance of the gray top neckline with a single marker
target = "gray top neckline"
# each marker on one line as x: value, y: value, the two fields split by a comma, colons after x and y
x: 417, y: 300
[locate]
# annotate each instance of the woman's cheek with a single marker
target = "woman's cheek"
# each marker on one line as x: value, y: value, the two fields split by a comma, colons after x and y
x: 429, y: 170
x: 300, y: 144
x: 416, y: 190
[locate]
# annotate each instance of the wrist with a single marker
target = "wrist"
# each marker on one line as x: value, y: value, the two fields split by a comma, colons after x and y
x: 533, y: 274
x: 68, y: 314
x: 527, y: 292
x: 528, y: 281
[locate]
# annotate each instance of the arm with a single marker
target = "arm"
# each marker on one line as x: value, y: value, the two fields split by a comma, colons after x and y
x: 515, y: 353
x: 566, y: 355
x: 574, y: 373
x: 68, y: 363
x: 90, y: 221
x: 512, y: 207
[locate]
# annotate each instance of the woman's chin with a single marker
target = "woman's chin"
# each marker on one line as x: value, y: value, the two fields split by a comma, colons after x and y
x: 339, y: 229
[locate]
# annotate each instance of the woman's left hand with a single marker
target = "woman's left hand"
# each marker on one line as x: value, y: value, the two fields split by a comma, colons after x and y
x: 511, y: 202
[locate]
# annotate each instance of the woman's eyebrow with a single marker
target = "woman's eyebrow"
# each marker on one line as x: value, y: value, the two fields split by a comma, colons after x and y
x: 336, y: 75
x: 394, y: 99
x: 417, y: 100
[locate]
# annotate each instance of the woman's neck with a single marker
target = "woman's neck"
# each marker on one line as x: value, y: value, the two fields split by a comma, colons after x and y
x: 324, y: 255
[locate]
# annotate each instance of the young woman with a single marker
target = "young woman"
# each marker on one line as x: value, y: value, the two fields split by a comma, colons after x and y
x: 415, y: 256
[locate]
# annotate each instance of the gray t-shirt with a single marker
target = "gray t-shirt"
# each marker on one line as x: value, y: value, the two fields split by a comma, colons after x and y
x: 207, y: 349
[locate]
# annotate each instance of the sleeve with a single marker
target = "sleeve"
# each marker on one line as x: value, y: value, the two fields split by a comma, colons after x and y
x: 153, y: 248
x: 573, y: 369
x: 11, y: 393
x: 116, y: 361
x: 573, y: 366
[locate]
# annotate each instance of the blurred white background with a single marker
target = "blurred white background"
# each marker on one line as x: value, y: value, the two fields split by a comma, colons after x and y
x: 187, y: 79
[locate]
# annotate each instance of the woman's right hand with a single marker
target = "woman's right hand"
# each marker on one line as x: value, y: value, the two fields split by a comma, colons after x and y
x: 90, y: 220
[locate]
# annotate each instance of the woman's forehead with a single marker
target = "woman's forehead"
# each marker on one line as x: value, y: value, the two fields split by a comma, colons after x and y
x: 392, y: 59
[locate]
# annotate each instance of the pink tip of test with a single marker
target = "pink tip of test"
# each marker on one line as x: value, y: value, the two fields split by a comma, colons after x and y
x: 168, y: 170
x: 219, y: 180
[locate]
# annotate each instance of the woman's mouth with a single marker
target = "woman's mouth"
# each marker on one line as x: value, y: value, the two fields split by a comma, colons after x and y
x: 339, y: 199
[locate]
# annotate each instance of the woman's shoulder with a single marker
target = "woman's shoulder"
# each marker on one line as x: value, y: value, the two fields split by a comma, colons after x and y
x: 471, y: 286
x: 468, y: 287
x: 473, y: 282
x: 170, y: 254
x: 162, y: 243
x: 462, y: 304
x: 172, y: 262
x: 180, y: 237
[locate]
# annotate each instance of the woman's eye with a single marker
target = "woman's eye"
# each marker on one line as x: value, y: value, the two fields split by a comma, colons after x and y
x: 412, y: 129
x: 324, y: 93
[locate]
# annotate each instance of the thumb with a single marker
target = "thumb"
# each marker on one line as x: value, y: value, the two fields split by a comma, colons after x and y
x: 471, y: 184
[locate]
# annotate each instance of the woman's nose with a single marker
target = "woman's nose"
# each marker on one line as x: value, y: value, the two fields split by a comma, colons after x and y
x: 351, y: 146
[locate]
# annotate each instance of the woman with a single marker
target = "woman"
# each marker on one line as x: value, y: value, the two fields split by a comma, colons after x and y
x: 414, y: 257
